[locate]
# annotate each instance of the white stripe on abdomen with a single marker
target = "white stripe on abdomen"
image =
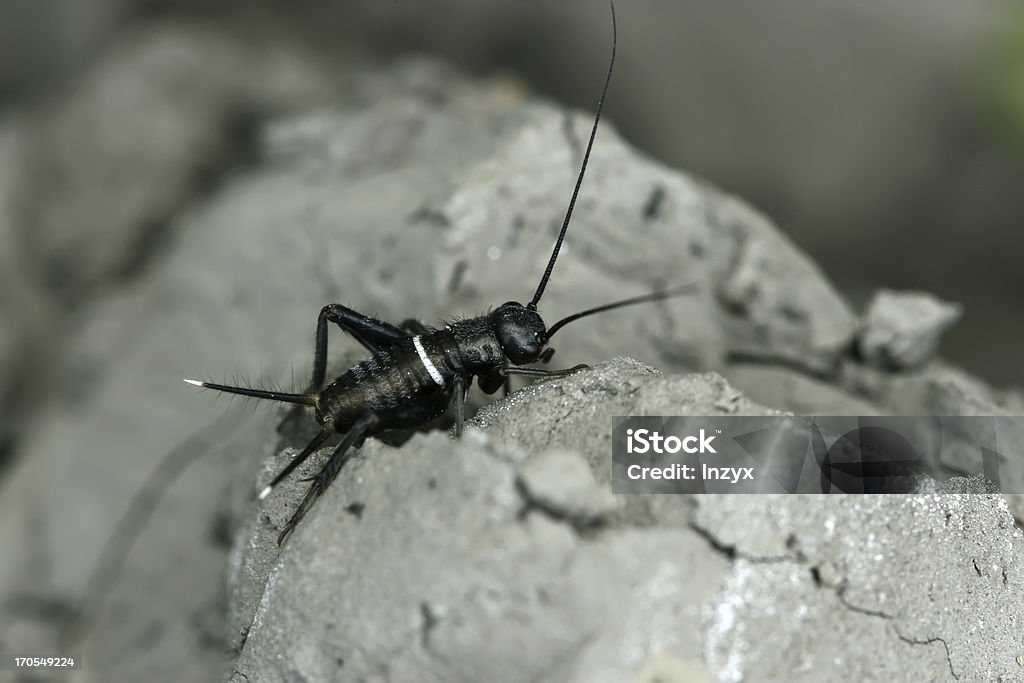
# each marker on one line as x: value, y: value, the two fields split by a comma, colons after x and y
x: 427, y: 363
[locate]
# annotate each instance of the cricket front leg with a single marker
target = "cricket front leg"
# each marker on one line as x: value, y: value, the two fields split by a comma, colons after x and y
x: 538, y: 372
x: 460, y: 387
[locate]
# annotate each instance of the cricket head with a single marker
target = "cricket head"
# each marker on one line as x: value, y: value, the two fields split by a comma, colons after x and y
x: 520, y: 331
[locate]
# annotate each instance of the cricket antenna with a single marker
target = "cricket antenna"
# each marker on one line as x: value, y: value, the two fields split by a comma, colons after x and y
x: 646, y: 298
x: 579, y: 180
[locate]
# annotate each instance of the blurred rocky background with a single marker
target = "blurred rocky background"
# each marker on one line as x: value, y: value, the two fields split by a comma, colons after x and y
x: 151, y: 219
x: 885, y: 140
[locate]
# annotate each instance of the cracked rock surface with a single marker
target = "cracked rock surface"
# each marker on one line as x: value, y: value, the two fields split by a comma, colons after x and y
x: 870, y: 570
x: 503, y: 556
x: 484, y: 560
x: 496, y: 586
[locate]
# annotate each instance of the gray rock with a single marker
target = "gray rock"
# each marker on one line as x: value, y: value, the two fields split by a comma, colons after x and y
x: 792, y: 318
x: 962, y: 485
x: 556, y: 420
x: 576, y: 413
x: 504, y: 586
x: 900, y: 330
x: 451, y: 563
x: 797, y: 392
x: 852, y: 584
x: 562, y: 484
x: 514, y: 565
x: 938, y: 389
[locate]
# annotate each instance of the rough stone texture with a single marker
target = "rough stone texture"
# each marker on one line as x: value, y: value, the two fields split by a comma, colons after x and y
x: 502, y: 570
x: 555, y: 422
x: 574, y: 406
x: 975, y: 483
x: 561, y: 483
x: 461, y: 577
x: 885, y: 567
x: 900, y: 330
x: 767, y: 588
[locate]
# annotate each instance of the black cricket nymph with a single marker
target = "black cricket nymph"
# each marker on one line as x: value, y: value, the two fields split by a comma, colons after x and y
x: 415, y: 372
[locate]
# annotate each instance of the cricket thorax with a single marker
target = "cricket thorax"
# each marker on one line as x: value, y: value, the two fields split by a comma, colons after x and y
x: 479, y: 349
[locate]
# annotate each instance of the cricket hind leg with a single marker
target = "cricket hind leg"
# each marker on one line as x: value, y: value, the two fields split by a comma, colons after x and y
x: 369, y: 424
x: 317, y: 441
x: 363, y: 427
x: 369, y: 332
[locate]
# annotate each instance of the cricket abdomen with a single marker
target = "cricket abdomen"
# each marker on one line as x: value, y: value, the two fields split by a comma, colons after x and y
x: 404, y: 384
